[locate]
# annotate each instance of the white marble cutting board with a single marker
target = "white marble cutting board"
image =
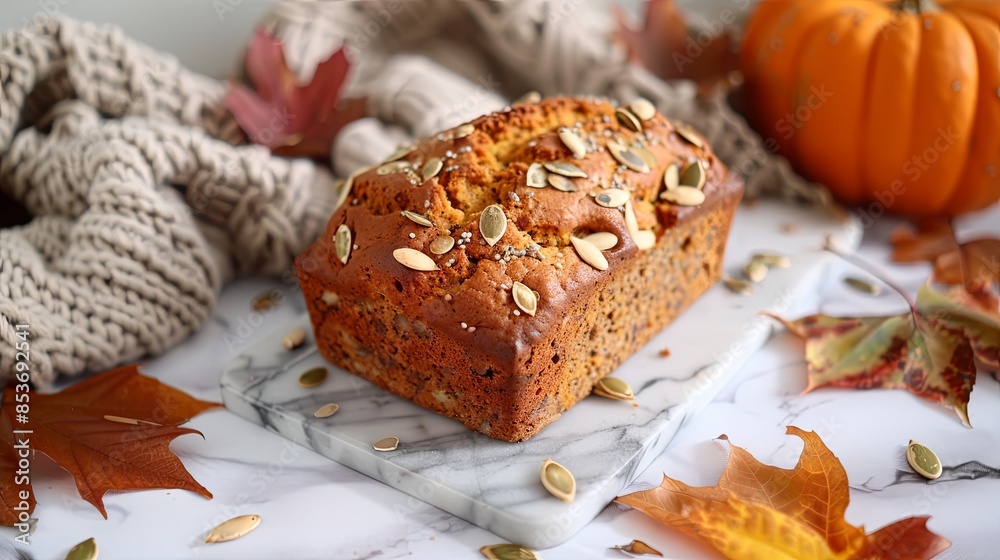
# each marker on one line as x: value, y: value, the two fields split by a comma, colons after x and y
x: 604, y: 443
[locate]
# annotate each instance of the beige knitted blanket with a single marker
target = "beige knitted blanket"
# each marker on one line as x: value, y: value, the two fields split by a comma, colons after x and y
x: 143, y: 205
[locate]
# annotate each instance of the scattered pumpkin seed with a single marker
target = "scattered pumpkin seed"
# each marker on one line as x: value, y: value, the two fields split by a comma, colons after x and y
x: 525, y: 298
x: 463, y: 131
x: 589, y: 253
x: 755, y: 271
x: 312, y: 377
x: 442, y: 244
x: 392, y: 167
x: 565, y: 169
x: 643, y: 108
x: 386, y: 444
x: 233, y: 529
x: 507, y: 552
x: 431, y: 168
x: 772, y: 260
x: 402, y: 151
x: 628, y: 119
x: 684, y: 196
x: 863, y: 286
x: 631, y: 223
x: 530, y: 97
x: 627, y: 157
x: 265, y: 301
x: 414, y: 259
x: 561, y: 183
x: 738, y: 285
x: 613, y: 388
x: 638, y: 548
x: 492, y: 223
x: 613, y: 198
x: 573, y: 142
x: 688, y: 133
x: 558, y: 481
x: 603, y: 240
x: 672, y: 177
x: 417, y: 218
x: 694, y: 174
x: 342, y: 243
x: 536, y: 176
x: 294, y: 339
x: 645, y: 240
x: 924, y: 461
x: 326, y: 410
x: 646, y: 155
x: 87, y: 550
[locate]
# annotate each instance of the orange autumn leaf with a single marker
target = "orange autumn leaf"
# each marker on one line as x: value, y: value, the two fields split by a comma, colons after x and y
x: 759, y: 511
x: 929, y: 239
x: 14, y: 479
x: 71, y: 427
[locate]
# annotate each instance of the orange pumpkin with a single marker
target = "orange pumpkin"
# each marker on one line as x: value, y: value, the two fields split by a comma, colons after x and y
x: 895, y: 104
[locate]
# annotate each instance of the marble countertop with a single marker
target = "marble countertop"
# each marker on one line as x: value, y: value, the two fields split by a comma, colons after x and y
x: 314, y: 508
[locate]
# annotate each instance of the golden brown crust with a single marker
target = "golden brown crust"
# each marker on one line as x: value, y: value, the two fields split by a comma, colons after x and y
x: 453, y: 340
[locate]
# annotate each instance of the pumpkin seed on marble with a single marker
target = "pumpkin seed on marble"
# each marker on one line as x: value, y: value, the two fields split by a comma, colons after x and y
x: 573, y: 142
x: 684, y: 196
x: 613, y: 198
x: 537, y: 176
x: 525, y: 298
x: 326, y: 410
x: 414, y: 259
x: 755, y: 271
x: 233, y: 529
x: 694, y: 175
x: 689, y: 134
x: 560, y: 183
x: 405, y: 150
x: 645, y: 240
x: 631, y: 223
x: 417, y: 218
x: 507, y: 552
x: 643, y: 108
x: 924, y: 461
x: 772, y: 260
x: 492, y: 224
x: 613, y: 388
x: 565, y: 169
x: 294, y: 339
x: 863, y: 286
x: 558, y: 481
x: 312, y: 377
x: 442, y: 244
x: 638, y: 548
x: 603, y: 240
x: 627, y: 157
x: 392, y: 167
x: 265, y: 301
x: 672, y: 177
x: 342, y: 243
x: 431, y: 168
x: 628, y: 119
x: 86, y: 550
x: 530, y: 97
x: 589, y: 253
x: 386, y: 444
x: 463, y: 131
x: 738, y: 286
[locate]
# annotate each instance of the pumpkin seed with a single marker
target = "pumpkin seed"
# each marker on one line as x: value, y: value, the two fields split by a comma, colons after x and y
x: 530, y: 97
x: 345, y: 190
x: 694, y: 174
x: 233, y: 529
x: 646, y: 155
x: 755, y: 271
x: 672, y: 177
x: 492, y: 224
x: 386, y: 444
x: 772, y: 260
x: 862, y: 286
x: 87, y: 550
x: 265, y: 301
x: 431, y: 168
x: 417, y: 218
x: 613, y: 388
x: 631, y: 223
x: 536, y: 176
x: 507, y: 552
x: 392, y: 167
x: 643, y: 108
x: 603, y: 240
x: 924, y: 461
x: 645, y: 239
x: 463, y: 131
x: 684, y: 196
x: 326, y: 410
x: 414, y: 259
x: 561, y: 183
x: 294, y: 339
x: 639, y: 548
x: 525, y: 298
x: 342, y: 243
x: 404, y: 150
x: 589, y: 253
x: 558, y: 481
x: 628, y: 119
x: 738, y: 286
x: 565, y: 169
x: 312, y: 377
x: 688, y: 133
x: 613, y: 198
x: 627, y: 157
x: 442, y: 244
x: 573, y: 142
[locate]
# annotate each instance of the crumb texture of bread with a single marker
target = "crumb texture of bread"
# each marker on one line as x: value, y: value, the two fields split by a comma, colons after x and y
x: 453, y: 340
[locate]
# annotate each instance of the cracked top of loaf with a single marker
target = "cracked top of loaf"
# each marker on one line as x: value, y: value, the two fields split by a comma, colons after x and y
x: 411, y: 202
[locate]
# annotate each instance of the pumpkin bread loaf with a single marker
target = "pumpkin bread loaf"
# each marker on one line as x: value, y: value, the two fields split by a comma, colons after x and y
x: 459, y: 274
